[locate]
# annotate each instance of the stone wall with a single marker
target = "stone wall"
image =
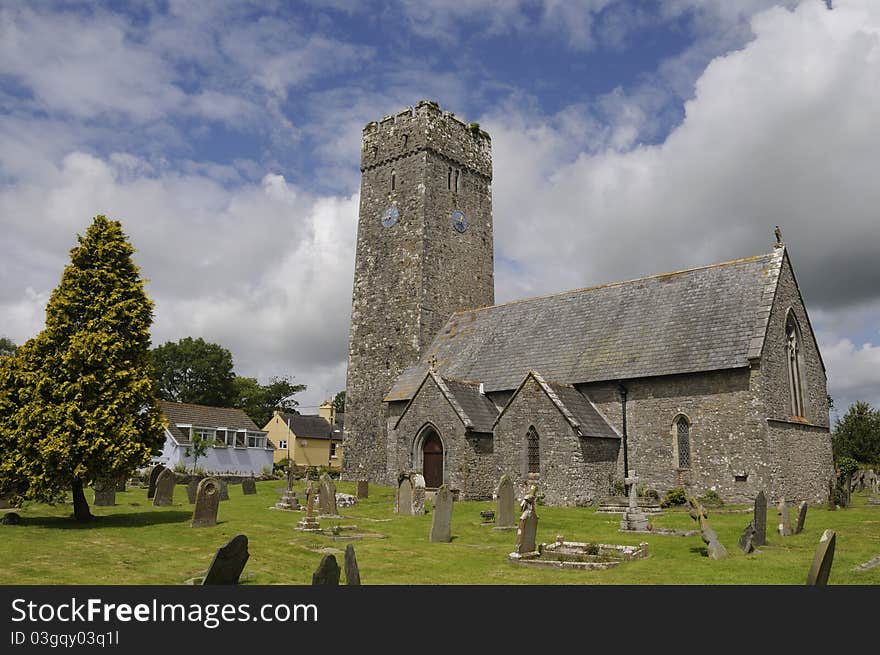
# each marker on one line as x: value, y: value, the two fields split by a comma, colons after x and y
x: 802, y: 461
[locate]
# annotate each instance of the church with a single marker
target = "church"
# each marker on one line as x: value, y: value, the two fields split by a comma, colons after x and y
x: 708, y: 378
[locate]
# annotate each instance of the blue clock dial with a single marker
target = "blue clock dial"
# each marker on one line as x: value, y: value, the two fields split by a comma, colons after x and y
x: 390, y: 216
x: 459, y: 222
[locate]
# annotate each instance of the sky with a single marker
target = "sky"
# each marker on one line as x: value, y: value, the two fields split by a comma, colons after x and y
x: 636, y: 137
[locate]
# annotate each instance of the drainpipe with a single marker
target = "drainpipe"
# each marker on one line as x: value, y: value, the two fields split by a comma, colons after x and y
x: 622, y: 389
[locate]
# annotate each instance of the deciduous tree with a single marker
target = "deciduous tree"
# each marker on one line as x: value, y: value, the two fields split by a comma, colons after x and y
x: 194, y: 371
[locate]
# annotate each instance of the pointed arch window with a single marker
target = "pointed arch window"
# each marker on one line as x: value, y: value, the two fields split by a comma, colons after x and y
x: 533, y: 451
x: 393, y: 179
x: 794, y: 361
x: 683, y: 442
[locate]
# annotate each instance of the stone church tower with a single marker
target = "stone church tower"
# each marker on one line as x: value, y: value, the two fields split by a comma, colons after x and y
x: 424, y: 252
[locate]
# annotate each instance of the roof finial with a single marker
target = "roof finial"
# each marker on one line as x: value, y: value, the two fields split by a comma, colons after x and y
x: 779, y: 242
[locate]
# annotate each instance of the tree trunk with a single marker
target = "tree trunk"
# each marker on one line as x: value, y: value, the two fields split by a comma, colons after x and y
x: 80, y: 505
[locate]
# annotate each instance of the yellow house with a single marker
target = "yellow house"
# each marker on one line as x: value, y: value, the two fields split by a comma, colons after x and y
x: 309, y: 440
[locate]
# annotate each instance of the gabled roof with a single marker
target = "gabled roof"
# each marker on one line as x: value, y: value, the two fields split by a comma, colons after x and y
x: 701, y: 319
x: 204, y: 416
x: 312, y: 426
x: 476, y: 412
x: 578, y: 410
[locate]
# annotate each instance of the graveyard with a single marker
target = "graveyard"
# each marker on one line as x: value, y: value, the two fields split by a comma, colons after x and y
x: 136, y: 542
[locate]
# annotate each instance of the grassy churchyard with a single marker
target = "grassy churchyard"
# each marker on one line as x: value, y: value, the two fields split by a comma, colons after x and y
x: 136, y: 543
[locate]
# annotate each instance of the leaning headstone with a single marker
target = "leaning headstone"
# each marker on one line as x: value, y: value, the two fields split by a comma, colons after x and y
x: 404, y: 496
x: 309, y: 523
x: 248, y: 487
x: 441, y: 518
x: 418, y: 497
x: 363, y: 489
x: 192, y: 488
x: 327, y: 496
x: 154, y: 475
x: 747, y: 540
x: 105, y: 493
x: 526, y: 533
x: 505, y: 519
x: 165, y: 488
x: 327, y: 572
x: 224, y: 490
x: 801, y: 517
x: 822, y: 559
x: 714, y: 548
x: 352, y: 574
x: 207, y: 503
x: 784, y: 519
x: 759, y: 522
x: 228, y: 562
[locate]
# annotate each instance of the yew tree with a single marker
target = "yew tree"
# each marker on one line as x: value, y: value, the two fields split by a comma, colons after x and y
x: 77, y: 402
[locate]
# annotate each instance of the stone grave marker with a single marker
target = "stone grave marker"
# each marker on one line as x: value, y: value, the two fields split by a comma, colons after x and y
x: 165, y: 484
x: 784, y: 519
x: 633, y: 517
x: 248, y: 487
x: 759, y: 522
x: 105, y: 493
x: 120, y: 485
x: 801, y: 517
x: 822, y: 559
x: 352, y: 574
x: 207, y: 502
x: 154, y: 475
x: 192, y: 488
x: 229, y: 561
x: 327, y: 496
x: 224, y: 489
x: 505, y: 518
x: 327, y: 572
x: 441, y: 518
x: 404, y: 496
x: 309, y: 523
x: 527, y: 532
x: 715, y: 548
x: 747, y: 540
x: 11, y: 518
x: 363, y: 489
x: 418, y: 497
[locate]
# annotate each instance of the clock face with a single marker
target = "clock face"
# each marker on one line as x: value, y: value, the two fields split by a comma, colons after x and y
x: 459, y: 222
x: 390, y: 216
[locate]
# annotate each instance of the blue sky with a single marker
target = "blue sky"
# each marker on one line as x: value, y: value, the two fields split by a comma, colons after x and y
x: 640, y: 136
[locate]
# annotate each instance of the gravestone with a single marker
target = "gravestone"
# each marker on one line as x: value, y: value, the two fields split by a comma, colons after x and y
x: 822, y: 559
x: 418, y: 498
x: 747, y: 540
x: 207, y: 502
x: 832, y: 506
x: 714, y: 548
x: 309, y: 523
x: 404, y: 496
x: 229, y: 561
x: 759, y: 522
x: 487, y: 517
x: 120, y: 485
x: 224, y: 490
x: 801, y: 517
x: 352, y: 574
x: 526, y: 533
x: 11, y: 518
x: 105, y: 493
x: 165, y: 484
x: 784, y: 519
x: 248, y: 487
x: 327, y: 496
x: 327, y: 572
x: 363, y: 489
x: 154, y: 475
x: 633, y: 517
x: 192, y: 488
x: 505, y: 519
x: 441, y: 518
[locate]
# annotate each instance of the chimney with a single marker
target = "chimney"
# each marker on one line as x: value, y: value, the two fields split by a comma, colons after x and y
x: 327, y: 410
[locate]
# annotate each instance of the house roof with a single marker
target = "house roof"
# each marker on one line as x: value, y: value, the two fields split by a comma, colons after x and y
x: 312, y: 426
x: 708, y: 318
x: 203, y: 416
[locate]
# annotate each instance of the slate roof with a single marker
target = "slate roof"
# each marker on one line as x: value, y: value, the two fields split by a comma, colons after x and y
x: 701, y: 319
x: 312, y: 426
x: 476, y: 412
x: 204, y: 416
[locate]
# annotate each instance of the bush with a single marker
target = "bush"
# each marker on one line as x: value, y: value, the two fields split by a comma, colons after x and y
x: 675, y: 496
x: 652, y: 494
x: 711, y: 498
x: 618, y: 488
x: 180, y: 467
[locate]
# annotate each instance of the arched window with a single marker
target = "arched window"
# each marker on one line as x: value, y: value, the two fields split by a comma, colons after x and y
x: 683, y: 442
x: 449, y: 177
x: 533, y: 451
x: 456, y: 179
x: 795, y: 367
x: 393, y: 179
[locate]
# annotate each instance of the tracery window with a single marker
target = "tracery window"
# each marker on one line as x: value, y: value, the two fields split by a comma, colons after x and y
x: 794, y: 361
x: 683, y: 441
x: 533, y: 451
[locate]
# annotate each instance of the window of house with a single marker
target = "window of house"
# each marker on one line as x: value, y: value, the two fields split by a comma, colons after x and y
x: 220, y: 436
x: 206, y: 434
x: 533, y: 451
x: 683, y: 442
x: 795, y: 368
x: 241, y: 439
x: 282, y: 444
x: 256, y: 440
x: 333, y: 450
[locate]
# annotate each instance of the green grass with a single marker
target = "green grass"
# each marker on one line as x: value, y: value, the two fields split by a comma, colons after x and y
x: 136, y: 543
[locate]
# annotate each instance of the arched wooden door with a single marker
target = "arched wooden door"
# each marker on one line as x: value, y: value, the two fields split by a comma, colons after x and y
x: 432, y: 460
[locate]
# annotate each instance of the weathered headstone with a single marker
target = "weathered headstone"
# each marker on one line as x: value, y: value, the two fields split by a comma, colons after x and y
x: 784, y: 519
x: 154, y: 475
x: 363, y: 489
x: 229, y: 561
x: 487, y: 517
x: 801, y: 517
x: 714, y: 548
x: 352, y: 574
x: 248, y: 487
x: 747, y: 540
x: 633, y: 517
x: 526, y: 533
x: 404, y: 496
x: 759, y: 521
x: 192, y: 488
x: 822, y: 559
x: 441, y: 518
x: 224, y: 490
x: 327, y: 572
x: 207, y: 503
x: 105, y: 493
x: 309, y: 523
x: 505, y: 519
x: 327, y: 496
x: 418, y: 498
x: 11, y: 518
x: 165, y: 484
